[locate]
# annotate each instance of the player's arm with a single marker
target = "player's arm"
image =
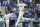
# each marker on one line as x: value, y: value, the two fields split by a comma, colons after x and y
x: 9, y: 16
x: 25, y: 8
x: 4, y: 18
x: 25, y: 4
x: 17, y: 5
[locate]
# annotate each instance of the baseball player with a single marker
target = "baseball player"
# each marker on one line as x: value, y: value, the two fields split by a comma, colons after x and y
x: 21, y: 11
x: 6, y: 16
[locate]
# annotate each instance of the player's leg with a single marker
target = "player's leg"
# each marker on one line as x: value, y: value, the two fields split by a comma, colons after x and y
x: 20, y: 14
x: 7, y: 23
x: 23, y: 17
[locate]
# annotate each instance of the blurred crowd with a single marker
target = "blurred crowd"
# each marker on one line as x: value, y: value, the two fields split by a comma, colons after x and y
x: 32, y: 9
x: 0, y: 9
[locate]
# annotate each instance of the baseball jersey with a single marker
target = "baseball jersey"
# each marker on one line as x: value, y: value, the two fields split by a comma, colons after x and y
x: 1, y: 19
x: 21, y: 6
x: 6, y: 17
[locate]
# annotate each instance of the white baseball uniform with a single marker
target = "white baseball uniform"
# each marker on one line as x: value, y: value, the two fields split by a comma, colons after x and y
x: 2, y: 20
x: 7, y: 20
x: 21, y: 12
